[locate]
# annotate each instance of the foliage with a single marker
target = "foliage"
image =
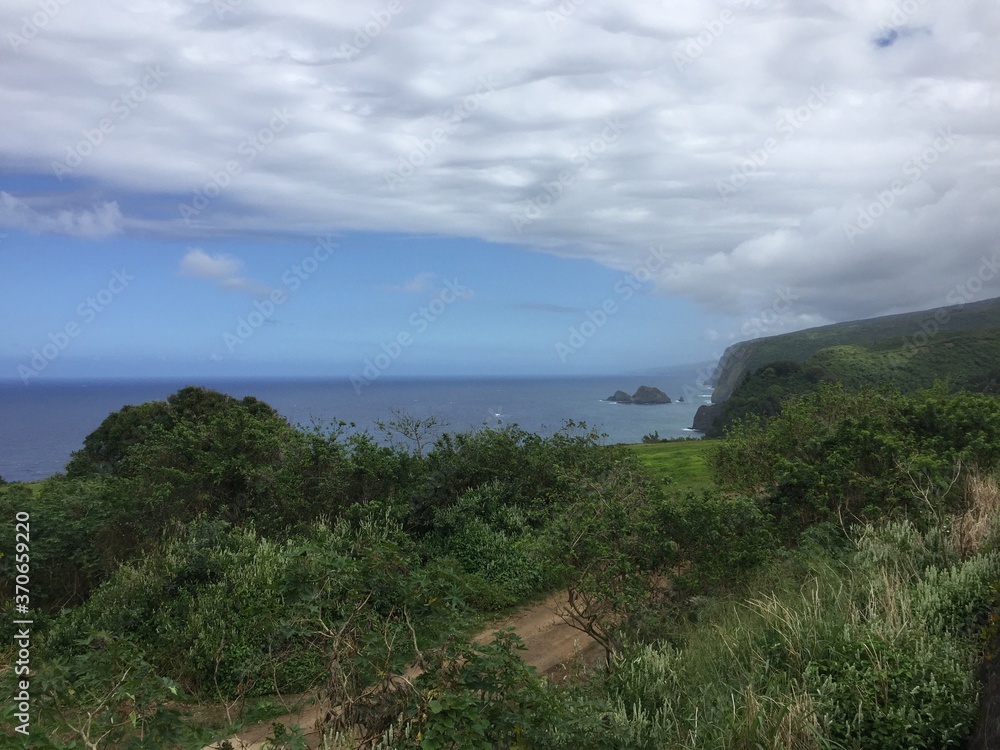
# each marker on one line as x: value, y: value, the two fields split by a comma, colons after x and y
x: 865, y: 652
x: 105, y: 695
x: 911, y: 692
x: 70, y: 549
x: 231, y: 614
x: 837, y: 454
x: 986, y: 382
x: 490, y: 537
x: 966, y: 360
x: 536, y: 472
x: 955, y: 601
x: 962, y: 337
x: 482, y: 696
x: 763, y: 392
x: 613, y: 553
x: 720, y: 539
x: 206, y: 539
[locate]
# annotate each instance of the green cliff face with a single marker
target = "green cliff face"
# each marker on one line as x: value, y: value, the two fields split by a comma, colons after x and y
x: 958, y: 344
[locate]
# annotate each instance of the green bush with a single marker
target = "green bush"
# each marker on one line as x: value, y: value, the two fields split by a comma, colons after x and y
x: 536, y: 472
x: 911, y: 692
x: 846, y: 456
x: 480, y: 697
x: 488, y: 536
x: 722, y: 539
x: 72, y: 547
x: 105, y: 695
x: 210, y: 610
x: 227, y: 613
x: 956, y: 601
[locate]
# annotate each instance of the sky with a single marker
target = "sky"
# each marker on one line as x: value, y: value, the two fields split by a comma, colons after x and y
x: 382, y: 188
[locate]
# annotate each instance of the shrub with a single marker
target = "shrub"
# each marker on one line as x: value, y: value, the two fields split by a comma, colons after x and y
x: 105, y: 695
x: 209, y: 609
x: 909, y: 693
x: 721, y: 539
x: 480, y: 697
x: 837, y: 455
x: 956, y: 601
x: 487, y: 536
x: 228, y: 613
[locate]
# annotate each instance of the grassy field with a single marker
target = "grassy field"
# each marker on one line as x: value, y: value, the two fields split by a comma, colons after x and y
x: 684, y: 462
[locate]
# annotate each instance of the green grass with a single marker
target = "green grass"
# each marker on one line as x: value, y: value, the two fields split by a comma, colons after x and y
x: 684, y: 463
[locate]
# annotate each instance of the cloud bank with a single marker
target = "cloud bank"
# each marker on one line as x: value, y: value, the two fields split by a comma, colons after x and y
x: 847, y: 150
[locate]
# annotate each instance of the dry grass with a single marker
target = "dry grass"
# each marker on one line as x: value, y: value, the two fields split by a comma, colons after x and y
x: 978, y: 525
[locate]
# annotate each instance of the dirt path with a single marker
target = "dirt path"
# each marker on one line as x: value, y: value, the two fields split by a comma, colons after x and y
x: 550, y: 645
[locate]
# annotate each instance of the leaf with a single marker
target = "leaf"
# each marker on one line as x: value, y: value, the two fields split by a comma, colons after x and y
x: 435, y: 706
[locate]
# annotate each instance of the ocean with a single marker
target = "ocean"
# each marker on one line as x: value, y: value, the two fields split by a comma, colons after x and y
x: 42, y: 423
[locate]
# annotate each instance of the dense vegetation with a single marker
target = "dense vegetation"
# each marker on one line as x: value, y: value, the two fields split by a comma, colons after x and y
x: 964, y: 361
x: 903, y: 336
x: 824, y: 578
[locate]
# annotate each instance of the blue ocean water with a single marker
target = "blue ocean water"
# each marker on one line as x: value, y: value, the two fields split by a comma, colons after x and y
x: 41, y: 424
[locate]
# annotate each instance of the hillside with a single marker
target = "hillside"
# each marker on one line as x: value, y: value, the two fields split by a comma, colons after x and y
x: 203, y: 568
x: 966, y: 360
x: 902, y: 335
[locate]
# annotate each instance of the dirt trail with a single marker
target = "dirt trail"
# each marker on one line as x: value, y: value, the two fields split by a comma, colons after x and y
x: 550, y: 645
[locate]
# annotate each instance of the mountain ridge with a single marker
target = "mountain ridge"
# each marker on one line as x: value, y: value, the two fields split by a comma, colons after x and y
x: 914, y: 329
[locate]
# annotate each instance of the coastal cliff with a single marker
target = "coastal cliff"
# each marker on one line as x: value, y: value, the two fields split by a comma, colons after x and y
x: 733, y: 365
x: 954, y: 340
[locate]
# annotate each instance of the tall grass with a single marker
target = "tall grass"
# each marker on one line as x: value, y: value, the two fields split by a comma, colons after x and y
x: 875, y: 650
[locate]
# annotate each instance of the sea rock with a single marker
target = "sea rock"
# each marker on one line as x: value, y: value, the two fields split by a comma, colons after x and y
x: 649, y: 395
x: 644, y: 395
x: 705, y: 417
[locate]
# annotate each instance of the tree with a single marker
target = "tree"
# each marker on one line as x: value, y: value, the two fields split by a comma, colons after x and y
x: 418, y: 432
x: 616, y: 557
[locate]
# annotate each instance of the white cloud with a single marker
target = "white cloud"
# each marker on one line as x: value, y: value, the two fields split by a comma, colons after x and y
x: 102, y: 221
x: 224, y: 270
x: 201, y: 265
x: 356, y: 115
x: 422, y: 282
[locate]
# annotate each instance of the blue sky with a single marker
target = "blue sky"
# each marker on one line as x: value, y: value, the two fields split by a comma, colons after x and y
x: 469, y: 308
x: 759, y: 166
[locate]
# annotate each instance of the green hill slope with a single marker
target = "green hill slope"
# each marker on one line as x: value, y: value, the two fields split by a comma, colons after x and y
x: 960, y: 346
x: 900, y: 335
